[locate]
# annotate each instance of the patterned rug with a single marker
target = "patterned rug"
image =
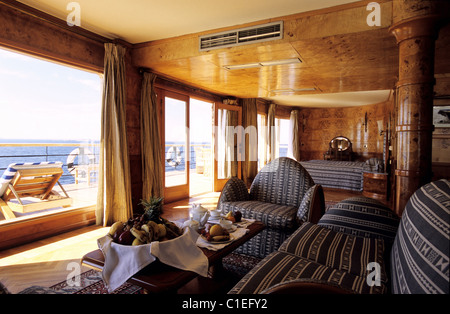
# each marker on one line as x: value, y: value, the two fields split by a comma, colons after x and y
x: 239, y: 264
x: 91, y: 282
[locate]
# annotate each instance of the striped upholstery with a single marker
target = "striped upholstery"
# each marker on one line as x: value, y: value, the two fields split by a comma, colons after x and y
x: 335, y: 249
x: 274, y: 198
x: 10, y: 172
x: 234, y: 190
x: 420, y: 253
x: 283, y: 267
x: 266, y: 242
x: 346, y: 175
x: 305, y: 209
x: 362, y: 216
x: 283, y: 181
x: 281, y: 220
x: 275, y: 216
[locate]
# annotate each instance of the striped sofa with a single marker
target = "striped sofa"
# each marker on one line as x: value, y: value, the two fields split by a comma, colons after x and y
x: 282, y: 196
x: 333, y: 257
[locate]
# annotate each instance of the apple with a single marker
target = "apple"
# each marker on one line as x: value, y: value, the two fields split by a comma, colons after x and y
x: 126, y: 238
x: 238, y: 216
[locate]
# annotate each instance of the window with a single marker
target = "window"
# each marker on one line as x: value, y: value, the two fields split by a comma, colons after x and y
x: 51, y: 112
x: 282, y: 134
x: 283, y: 137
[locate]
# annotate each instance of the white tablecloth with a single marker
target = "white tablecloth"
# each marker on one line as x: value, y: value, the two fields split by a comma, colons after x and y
x: 123, y: 261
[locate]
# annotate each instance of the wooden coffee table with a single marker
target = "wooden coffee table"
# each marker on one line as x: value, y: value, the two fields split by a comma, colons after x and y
x: 161, y: 278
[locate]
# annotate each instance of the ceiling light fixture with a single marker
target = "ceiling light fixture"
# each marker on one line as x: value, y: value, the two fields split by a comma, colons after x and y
x: 262, y: 64
x: 293, y: 90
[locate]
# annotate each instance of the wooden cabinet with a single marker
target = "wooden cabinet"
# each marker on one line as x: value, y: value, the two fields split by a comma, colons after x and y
x: 375, y: 185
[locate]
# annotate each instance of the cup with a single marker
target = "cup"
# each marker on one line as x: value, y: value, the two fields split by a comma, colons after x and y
x: 214, y: 213
x: 226, y: 224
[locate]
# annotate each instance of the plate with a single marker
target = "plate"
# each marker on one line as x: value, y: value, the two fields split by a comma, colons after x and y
x: 219, y: 242
x: 231, y: 229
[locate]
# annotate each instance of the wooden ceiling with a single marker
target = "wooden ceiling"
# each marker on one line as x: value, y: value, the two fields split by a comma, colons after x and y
x: 340, y: 53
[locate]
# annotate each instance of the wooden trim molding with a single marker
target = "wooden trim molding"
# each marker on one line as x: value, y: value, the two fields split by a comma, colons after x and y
x: 22, y: 231
x: 23, y: 8
x: 32, y: 32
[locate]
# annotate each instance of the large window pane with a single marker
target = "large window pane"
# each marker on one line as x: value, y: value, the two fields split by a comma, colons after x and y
x: 51, y: 113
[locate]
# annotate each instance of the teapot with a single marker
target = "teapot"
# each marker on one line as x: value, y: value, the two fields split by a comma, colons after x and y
x: 199, y: 213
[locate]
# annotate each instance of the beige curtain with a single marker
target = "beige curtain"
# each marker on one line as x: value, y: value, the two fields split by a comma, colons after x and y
x: 271, y: 138
x: 227, y: 145
x: 152, y: 173
x: 294, y: 141
x: 262, y: 140
x: 114, y: 188
x: 249, y: 121
x: 231, y: 162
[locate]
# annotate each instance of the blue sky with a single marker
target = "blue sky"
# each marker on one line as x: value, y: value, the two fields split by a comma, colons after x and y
x: 45, y: 100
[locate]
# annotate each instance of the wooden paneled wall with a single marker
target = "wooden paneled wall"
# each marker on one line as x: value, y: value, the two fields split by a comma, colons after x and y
x: 30, y: 31
x: 319, y: 125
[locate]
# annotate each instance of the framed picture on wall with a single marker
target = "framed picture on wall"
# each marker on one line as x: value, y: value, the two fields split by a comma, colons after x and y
x: 441, y: 116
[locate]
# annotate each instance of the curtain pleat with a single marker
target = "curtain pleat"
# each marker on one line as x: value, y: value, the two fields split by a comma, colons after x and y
x: 271, y: 134
x: 231, y: 159
x: 249, y: 121
x: 114, y: 187
x: 294, y: 143
x: 152, y: 173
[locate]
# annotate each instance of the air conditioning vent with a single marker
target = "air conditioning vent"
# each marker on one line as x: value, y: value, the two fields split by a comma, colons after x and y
x: 243, y: 36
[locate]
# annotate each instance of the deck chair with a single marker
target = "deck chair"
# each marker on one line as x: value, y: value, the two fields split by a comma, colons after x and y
x: 24, y: 181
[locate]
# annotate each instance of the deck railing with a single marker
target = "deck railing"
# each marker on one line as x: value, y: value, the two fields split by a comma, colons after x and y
x: 44, y: 152
x: 67, y: 152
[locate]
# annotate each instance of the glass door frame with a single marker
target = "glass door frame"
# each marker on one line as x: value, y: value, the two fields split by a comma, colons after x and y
x: 174, y: 193
x: 220, y: 183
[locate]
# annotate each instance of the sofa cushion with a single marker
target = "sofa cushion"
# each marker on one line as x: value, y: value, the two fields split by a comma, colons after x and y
x: 283, y: 181
x: 336, y: 250
x: 281, y: 266
x: 272, y: 215
x: 362, y: 216
x: 420, y: 253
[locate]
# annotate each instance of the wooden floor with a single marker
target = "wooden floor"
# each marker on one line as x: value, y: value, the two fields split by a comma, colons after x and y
x: 50, y: 261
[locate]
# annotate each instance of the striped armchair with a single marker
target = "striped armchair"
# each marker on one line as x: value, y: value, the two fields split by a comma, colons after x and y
x: 282, y: 196
x: 342, y: 257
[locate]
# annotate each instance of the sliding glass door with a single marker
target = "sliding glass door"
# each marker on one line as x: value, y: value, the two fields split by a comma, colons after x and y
x: 176, y: 143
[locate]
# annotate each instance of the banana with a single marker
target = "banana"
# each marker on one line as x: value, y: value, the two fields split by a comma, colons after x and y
x: 173, y: 227
x: 145, y: 228
x: 154, y: 226
x: 221, y: 238
x: 115, y: 226
x: 139, y: 234
x: 162, y: 231
x: 137, y: 242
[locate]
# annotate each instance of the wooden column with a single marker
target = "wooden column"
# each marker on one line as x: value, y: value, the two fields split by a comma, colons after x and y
x: 415, y: 32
